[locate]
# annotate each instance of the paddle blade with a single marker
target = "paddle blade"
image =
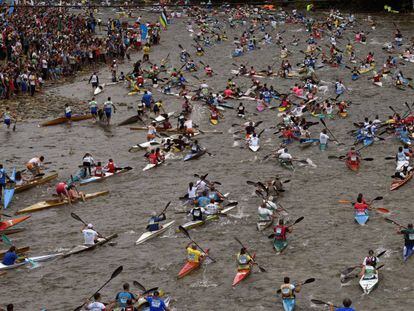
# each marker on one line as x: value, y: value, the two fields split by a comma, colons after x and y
x: 6, y: 240
x: 150, y: 290
x: 382, y: 253
x: 251, y: 183
x: 298, y: 220
x: 344, y: 201
x: 232, y: 204
x: 382, y: 210
x: 311, y: 280
x: 378, y: 198
x: 368, y: 159
x: 319, y: 302
x: 259, y: 193
x: 117, y: 272
x: 348, y: 270
x: 183, y: 230
x: 271, y: 236
x: 139, y: 285
x: 74, y: 216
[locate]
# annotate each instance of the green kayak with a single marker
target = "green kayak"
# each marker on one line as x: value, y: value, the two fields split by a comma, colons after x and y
x: 279, y: 245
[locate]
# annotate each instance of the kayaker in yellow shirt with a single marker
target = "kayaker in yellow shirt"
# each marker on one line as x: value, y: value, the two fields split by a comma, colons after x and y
x: 243, y: 260
x: 193, y: 255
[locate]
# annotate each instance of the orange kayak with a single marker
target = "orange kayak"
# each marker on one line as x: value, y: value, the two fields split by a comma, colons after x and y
x: 5, y: 224
x: 353, y: 165
x: 242, y: 274
x: 191, y: 266
x: 62, y: 120
x: 397, y: 183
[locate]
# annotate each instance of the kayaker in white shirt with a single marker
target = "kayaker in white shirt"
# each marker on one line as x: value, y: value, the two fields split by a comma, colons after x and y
x: 284, y: 155
x: 96, y: 305
x: 211, y: 208
x: 264, y: 212
x: 254, y: 141
x: 323, y: 137
x: 90, y: 236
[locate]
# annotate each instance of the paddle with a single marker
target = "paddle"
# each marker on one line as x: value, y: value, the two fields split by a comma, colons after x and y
x: 139, y: 285
x: 333, y: 136
x: 165, y: 208
x: 114, y: 275
x: 74, y: 216
x: 347, y: 201
x: 271, y: 236
x: 395, y: 223
x: 183, y: 230
x: 320, y: 302
x: 350, y: 269
x: 6, y: 240
x: 311, y: 280
x: 5, y: 215
x: 260, y: 268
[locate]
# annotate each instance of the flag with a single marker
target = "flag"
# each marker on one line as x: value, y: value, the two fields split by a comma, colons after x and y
x: 144, y: 31
x: 11, y: 9
x: 163, y: 20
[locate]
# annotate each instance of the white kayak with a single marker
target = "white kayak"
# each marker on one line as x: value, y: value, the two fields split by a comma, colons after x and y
x: 151, y: 166
x: 368, y: 285
x: 144, y: 145
x: 152, y: 234
x: 106, y: 175
x: 160, y: 118
x: 196, y: 223
x: 99, y: 89
x: 30, y: 259
x: 378, y: 83
x: 254, y: 148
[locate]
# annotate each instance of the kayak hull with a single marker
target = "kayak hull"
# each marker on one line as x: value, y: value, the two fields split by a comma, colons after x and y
x: 263, y: 224
x: 84, y: 248
x: 5, y: 224
x: 353, y: 165
x: 397, y: 183
x: 149, y: 235
x: 9, y: 191
x: 361, y: 218
x: 36, y: 182
x: 98, y: 178
x: 62, y: 120
x: 289, y: 304
x: 191, y: 266
x: 197, y: 223
x: 193, y: 156
x: 368, y: 285
x: 280, y: 245
x: 31, y: 259
x: 242, y: 274
x: 254, y: 148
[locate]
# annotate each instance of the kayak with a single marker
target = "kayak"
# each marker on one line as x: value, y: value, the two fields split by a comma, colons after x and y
x: 99, y: 89
x: 19, y: 251
x: 226, y: 105
x: 56, y: 203
x: 288, y: 304
x: 254, y: 148
x: 151, y: 166
x: 397, y: 183
x: 131, y: 120
x: 62, y: 120
x: 193, y: 156
x: 343, y: 114
x: 5, y: 224
x: 365, y: 70
x: 378, y: 83
x: 405, y: 140
x: 83, y: 248
x: 197, y: 223
x: 263, y: 224
x: 368, y: 285
x: 353, y: 165
x: 100, y: 178
x: 37, y: 181
x: 306, y: 142
x: 279, y: 245
x: 9, y: 191
x: 361, y: 217
x: 161, y: 118
x: 190, y: 266
x: 213, y: 121
x: 144, y: 145
x: 30, y: 259
x: 242, y: 274
x: 152, y: 234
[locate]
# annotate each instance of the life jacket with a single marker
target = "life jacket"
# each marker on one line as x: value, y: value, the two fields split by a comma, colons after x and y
x: 197, y: 214
x: 243, y: 260
x: 371, y: 261
x: 360, y: 206
x: 98, y: 171
x: 111, y: 167
x: 287, y: 292
x: 280, y: 232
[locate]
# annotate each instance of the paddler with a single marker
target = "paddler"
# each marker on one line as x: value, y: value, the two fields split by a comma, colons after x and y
x: 212, y: 208
x: 203, y: 200
x: 10, y: 256
x: 93, y: 106
x: 154, y: 221
x: 347, y: 306
x: 68, y: 192
x: 288, y: 291
x: 408, y: 240
x: 108, y: 105
x: 403, y: 165
x: 353, y: 156
x: 243, y: 260
x: 110, y: 167
x: 265, y: 213
x: 370, y: 260
x: 90, y: 235
x: 156, y: 303
x: 68, y: 112
x: 125, y: 295
x: 254, y: 141
x: 152, y: 131
x: 35, y: 164
x: 3, y: 180
x: 193, y: 254
x: 195, y: 147
x: 250, y: 129
x: 7, y: 117
x: 241, y: 110
x: 281, y: 230
x: 96, y: 305
x: 323, y: 140
x: 197, y: 212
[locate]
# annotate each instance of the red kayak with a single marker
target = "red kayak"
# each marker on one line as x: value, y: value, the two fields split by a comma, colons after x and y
x: 242, y: 274
x: 191, y: 266
x: 5, y: 224
x: 353, y: 165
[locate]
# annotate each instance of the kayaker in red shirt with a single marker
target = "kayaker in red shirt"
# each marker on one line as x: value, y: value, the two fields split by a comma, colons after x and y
x: 98, y: 170
x: 361, y: 205
x: 228, y: 93
x: 281, y: 230
x: 353, y: 156
x: 153, y: 158
x: 110, y: 167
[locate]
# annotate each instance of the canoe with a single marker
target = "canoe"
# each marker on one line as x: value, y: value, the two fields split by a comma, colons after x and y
x: 9, y: 191
x: 149, y: 235
x: 397, y: 183
x: 193, y: 156
x: 242, y: 274
x: 83, y: 248
x: 279, y: 245
x: 191, y: 266
x: 98, y: 178
x: 197, y: 223
x: 161, y: 118
x: 131, y: 120
x: 353, y: 165
x: 263, y: 224
x: 19, y: 251
x: 254, y: 148
x: 62, y: 120
x: 361, y: 217
x: 56, y: 203
x: 213, y: 121
x: 368, y: 285
x: 5, y: 224
x: 37, y: 181
x: 31, y: 259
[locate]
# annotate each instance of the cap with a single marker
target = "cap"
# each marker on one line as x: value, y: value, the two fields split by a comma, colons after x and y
x: 90, y: 226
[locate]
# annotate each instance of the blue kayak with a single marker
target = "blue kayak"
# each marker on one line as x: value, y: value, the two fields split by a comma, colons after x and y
x: 9, y: 191
x: 192, y: 156
x: 361, y: 217
x: 355, y: 77
x: 289, y: 304
x: 405, y: 140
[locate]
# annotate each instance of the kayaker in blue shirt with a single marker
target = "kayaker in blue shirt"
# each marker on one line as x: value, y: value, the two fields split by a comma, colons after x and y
x: 123, y: 297
x: 154, y: 222
x: 10, y: 256
x: 146, y: 99
x: 156, y: 303
x: 347, y: 306
x: 203, y: 200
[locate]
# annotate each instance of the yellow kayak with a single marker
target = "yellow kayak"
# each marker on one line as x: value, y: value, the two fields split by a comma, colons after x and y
x: 56, y: 202
x: 35, y: 182
x: 214, y: 121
